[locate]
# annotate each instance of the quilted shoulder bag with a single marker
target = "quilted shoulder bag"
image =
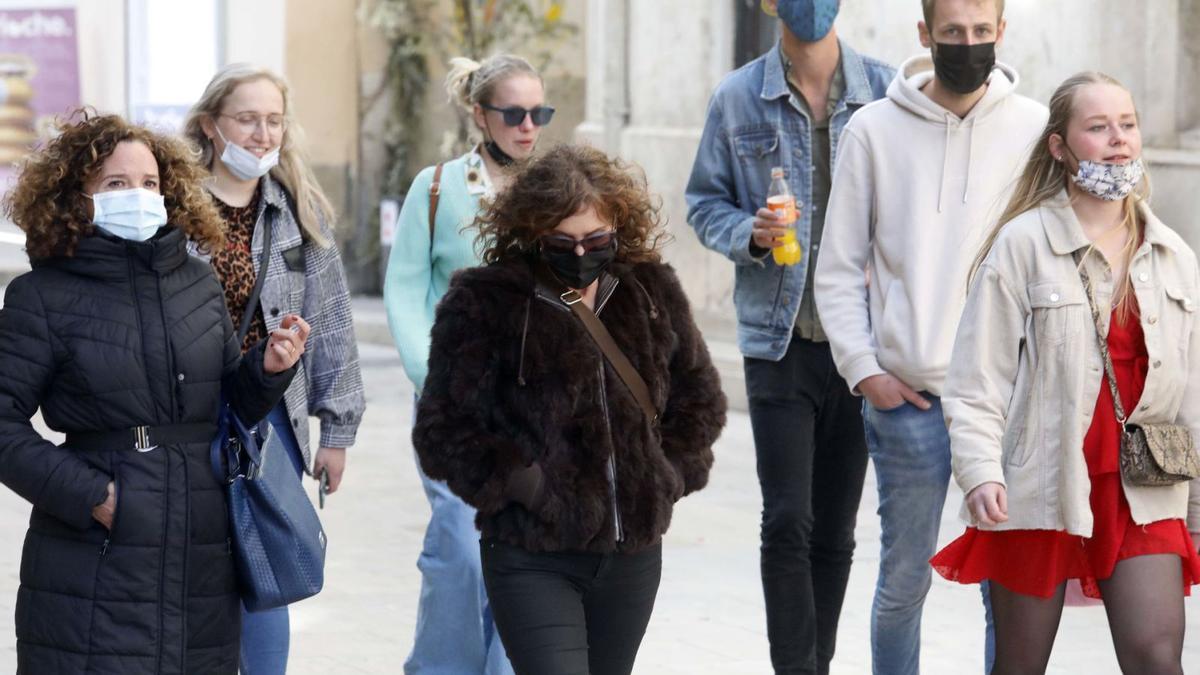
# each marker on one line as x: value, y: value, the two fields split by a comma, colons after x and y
x: 1151, y: 454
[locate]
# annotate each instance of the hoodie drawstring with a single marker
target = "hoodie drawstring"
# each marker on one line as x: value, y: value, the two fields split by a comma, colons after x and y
x: 970, y: 159
x: 945, y: 165
x: 524, y: 332
x: 951, y: 126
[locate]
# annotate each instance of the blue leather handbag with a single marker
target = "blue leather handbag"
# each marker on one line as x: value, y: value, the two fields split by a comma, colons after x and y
x: 278, y: 542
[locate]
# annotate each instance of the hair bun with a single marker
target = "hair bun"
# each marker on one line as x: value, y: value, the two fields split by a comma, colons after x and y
x: 458, y: 80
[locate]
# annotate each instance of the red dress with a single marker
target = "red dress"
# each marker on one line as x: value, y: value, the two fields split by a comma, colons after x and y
x: 1035, y: 562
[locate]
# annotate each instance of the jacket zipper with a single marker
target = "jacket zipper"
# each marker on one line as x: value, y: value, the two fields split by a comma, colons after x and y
x: 137, y: 311
x: 162, y: 557
x: 187, y: 549
x: 611, y: 464
x: 166, y: 518
x: 172, y: 376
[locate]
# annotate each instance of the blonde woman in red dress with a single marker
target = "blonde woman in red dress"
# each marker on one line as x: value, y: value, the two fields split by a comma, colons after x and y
x: 1034, y: 431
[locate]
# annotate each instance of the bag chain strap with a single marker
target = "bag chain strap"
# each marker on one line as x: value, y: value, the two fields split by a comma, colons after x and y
x: 1110, y: 374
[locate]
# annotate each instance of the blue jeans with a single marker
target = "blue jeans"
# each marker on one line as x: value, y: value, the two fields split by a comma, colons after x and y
x: 455, y: 634
x: 910, y: 449
x: 266, y: 635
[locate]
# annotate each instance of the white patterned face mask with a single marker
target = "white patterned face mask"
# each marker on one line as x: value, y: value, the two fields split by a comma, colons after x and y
x: 1110, y: 182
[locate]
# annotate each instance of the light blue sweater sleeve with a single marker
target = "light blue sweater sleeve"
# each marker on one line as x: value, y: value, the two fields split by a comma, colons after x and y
x: 408, y: 282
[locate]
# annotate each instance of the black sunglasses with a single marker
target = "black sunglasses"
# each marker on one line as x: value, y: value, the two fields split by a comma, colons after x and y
x: 561, y: 243
x: 514, y: 115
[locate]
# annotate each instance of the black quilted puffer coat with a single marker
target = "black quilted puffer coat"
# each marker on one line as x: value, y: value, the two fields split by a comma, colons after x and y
x: 118, y: 336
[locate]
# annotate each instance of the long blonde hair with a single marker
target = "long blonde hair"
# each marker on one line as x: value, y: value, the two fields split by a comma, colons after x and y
x: 1045, y: 177
x: 293, y: 171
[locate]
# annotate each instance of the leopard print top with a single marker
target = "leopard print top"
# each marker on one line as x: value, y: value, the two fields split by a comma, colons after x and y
x: 235, y: 266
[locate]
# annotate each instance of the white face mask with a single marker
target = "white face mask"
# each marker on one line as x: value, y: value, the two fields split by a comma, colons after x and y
x: 134, y: 214
x: 1110, y: 182
x: 243, y: 163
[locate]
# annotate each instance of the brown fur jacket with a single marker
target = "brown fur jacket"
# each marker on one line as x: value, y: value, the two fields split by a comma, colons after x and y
x: 525, y: 420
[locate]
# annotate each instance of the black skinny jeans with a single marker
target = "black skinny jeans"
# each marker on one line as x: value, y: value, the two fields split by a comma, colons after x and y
x: 570, y: 613
x: 812, y: 459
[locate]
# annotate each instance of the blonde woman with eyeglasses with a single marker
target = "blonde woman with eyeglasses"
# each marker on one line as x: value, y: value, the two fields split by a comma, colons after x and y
x: 245, y: 129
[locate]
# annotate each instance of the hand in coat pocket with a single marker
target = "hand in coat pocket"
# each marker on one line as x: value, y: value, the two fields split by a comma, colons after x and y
x: 105, y: 510
x: 527, y: 486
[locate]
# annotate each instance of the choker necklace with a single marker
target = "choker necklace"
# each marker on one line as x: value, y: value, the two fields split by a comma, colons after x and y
x: 502, y: 158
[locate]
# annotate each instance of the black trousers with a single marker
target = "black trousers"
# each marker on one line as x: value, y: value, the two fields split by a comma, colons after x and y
x: 570, y: 613
x: 812, y: 459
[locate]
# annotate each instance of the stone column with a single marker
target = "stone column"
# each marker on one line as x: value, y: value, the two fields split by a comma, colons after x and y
x: 652, y: 67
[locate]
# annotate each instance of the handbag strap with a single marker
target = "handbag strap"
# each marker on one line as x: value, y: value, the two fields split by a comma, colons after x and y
x: 1109, y: 373
x: 604, y: 340
x: 435, y: 195
x: 256, y: 292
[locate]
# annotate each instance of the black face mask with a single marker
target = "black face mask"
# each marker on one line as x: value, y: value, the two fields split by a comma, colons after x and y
x: 579, y: 271
x: 964, y: 68
x: 502, y: 158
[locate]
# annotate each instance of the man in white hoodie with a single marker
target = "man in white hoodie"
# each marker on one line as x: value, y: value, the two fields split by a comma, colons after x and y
x: 921, y: 178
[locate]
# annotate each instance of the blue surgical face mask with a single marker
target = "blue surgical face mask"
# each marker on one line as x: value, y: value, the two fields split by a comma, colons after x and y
x: 129, y: 214
x: 809, y: 20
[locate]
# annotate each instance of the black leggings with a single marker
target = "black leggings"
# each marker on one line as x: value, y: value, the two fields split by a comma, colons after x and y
x: 570, y: 613
x: 1144, y: 602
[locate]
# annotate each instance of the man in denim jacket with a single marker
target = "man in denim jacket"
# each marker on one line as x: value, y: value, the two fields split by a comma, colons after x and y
x: 787, y: 109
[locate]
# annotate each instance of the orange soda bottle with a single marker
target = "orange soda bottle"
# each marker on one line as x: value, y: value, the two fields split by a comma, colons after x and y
x: 781, y: 201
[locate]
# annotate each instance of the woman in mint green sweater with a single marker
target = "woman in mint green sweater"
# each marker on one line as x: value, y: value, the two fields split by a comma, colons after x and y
x: 506, y: 98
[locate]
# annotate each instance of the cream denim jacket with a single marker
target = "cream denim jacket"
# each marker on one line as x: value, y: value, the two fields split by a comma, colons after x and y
x: 1026, y: 369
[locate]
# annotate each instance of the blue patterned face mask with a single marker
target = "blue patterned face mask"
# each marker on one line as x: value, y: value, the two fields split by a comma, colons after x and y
x: 1110, y: 182
x: 809, y: 20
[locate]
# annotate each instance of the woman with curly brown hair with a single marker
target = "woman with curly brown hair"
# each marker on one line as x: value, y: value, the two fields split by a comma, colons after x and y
x: 571, y: 400
x: 123, y: 341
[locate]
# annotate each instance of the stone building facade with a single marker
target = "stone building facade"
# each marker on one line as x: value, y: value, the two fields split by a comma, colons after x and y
x: 652, y: 65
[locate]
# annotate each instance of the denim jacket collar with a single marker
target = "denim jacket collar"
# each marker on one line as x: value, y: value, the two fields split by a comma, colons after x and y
x: 858, y: 87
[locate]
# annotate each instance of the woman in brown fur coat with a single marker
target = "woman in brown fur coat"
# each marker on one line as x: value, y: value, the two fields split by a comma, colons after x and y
x: 527, y: 421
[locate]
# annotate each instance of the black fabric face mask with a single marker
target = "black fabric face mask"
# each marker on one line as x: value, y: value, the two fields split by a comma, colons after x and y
x: 502, y: 158
x: 964, y: 68
x: 579, y: 271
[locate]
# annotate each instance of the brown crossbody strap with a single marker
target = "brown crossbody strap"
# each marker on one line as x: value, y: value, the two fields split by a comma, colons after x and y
x: 604, y: 340
x: 435, y: 195
x: 1110, y: 374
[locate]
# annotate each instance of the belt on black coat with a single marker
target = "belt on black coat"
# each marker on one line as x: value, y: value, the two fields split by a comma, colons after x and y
x: 143, y: 438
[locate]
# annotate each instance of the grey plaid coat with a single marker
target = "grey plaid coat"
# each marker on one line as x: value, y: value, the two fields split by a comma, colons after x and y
x: 305, y: 279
